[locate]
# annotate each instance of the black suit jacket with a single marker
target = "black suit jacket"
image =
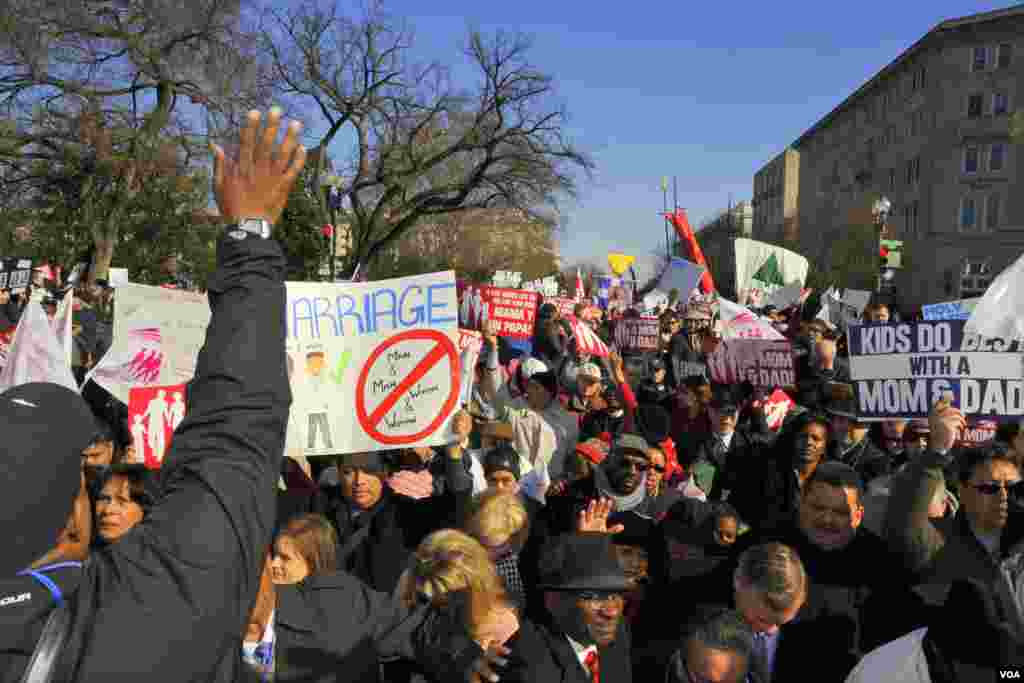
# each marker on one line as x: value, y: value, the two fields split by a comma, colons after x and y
x: 541, y: 654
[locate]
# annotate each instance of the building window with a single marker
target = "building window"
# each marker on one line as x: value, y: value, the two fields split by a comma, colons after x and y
x: 917, y: 80
x: 1000, y: 103
x: 975, y: 278
x: 913, y: 171
x: 979, y: 58
x: 968, y: 214
x: 1005, y: 55
x: 970, y: 159
x: 892, y: 179
x: 996, y: 156
x: 975, y: 104
x: 992, y: 206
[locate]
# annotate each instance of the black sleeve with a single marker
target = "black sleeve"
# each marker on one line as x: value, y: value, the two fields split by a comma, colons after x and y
x: 200, y: 547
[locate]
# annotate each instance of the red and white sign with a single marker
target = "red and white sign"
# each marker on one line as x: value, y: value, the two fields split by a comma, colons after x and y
x: 587, y: 340
x: 470, y: 340
x: 513, y: 309
x: 154, y: 413
x: 776, y: 407
x: 566, y: 306
x: 637, y: 335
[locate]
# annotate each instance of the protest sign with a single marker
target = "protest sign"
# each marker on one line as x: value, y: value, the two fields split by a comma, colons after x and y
x: 154, y: 413
x: 682, y: 276
x: 900, y: 370
x: 637, y: 335
x: 135, y: 359
x: 470, y: 344
x: 950, y: 310
x: 776, y: 407
x: 180, y: 316
x: 766, y: 364
x: 118, y: 277
x: 604, y: 288
x: 977, y: 432
x: 513, y: 309
x: 373, y: 365
x: 15, y: 274
x: 566, y: 306
x: 5, y: 345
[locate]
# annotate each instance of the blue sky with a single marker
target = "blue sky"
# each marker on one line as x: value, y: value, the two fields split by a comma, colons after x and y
x: 704, y: 91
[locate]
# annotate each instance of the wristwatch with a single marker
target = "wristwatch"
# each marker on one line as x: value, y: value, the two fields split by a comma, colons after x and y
x: 257, y: 227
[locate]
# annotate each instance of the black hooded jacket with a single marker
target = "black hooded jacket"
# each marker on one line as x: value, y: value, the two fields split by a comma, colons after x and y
x: 172, y: 596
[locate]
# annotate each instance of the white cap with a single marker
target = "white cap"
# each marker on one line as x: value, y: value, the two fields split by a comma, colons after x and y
x: 532, y: 366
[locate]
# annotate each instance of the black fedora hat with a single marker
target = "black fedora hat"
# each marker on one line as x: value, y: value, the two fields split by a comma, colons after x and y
x: 581, y: 562
x: 45, y: 427
x: 842, y: 407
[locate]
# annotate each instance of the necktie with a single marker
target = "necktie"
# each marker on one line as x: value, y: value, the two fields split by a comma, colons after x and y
x: 593, y: 665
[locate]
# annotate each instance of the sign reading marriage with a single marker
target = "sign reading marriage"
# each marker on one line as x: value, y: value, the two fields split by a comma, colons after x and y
x: 900, y: 370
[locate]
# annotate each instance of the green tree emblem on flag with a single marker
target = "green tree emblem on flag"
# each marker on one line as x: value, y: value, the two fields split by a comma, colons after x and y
x: 769, y: 276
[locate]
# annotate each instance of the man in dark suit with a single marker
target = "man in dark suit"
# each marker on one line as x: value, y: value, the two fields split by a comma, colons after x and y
x: 586, y: 639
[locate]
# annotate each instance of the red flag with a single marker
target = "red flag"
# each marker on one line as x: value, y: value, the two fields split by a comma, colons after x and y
x: 682, y: 225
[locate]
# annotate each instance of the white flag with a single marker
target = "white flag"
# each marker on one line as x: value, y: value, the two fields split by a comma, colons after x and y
x: 739, y: 322
x: 35, y: 354
x: 62, y: 323
x: 762, y: 268
x: 1000, y: 313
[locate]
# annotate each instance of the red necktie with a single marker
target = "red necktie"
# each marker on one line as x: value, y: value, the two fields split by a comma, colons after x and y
x: 593, y: 666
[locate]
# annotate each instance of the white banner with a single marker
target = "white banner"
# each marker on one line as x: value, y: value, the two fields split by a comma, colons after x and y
x: 181, y: 317
x: 762, y: 268
x: 35, y: 354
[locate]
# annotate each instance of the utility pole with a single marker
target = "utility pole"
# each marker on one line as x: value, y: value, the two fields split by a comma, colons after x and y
x: 675, y: 194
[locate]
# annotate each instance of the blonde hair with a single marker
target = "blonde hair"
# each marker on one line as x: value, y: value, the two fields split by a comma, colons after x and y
x: 449, y: 562
x: 495, y: 516
x: 316, y: 540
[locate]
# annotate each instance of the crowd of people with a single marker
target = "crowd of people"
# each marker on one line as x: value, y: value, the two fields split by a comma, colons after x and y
x: 592, y: 519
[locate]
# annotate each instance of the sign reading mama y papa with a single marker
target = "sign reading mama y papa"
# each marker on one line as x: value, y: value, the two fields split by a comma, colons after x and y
x: 373, y: 365
x: 902, y: 369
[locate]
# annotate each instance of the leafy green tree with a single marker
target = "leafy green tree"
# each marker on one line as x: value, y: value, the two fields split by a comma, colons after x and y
x: 299, y: 230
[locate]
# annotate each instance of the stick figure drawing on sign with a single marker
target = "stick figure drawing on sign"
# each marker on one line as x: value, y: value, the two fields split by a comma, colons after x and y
x: 156, y: 412
x: 318, y: 393
x: 176, y: 413
x: 139, y: 437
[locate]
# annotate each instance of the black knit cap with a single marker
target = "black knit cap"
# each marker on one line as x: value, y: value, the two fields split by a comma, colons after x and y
x: 546, y: 379
x: 503, y: 458
x: 45, y: 428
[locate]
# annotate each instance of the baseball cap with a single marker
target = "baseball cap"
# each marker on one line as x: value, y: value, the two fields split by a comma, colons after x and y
x: 631, y: 442
x: 531, y: 366
x: 41, y: 470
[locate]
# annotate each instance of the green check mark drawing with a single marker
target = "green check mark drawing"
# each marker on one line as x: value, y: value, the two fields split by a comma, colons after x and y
x: 339, y: 371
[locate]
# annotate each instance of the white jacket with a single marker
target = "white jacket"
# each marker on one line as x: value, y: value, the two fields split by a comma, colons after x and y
x: 901, y: 661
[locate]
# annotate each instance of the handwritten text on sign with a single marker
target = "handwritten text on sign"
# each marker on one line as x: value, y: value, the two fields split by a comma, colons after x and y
x: 902, y: 369
x: 372, y: 365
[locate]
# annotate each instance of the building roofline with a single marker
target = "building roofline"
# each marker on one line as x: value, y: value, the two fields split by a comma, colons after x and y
x: 903, y: 57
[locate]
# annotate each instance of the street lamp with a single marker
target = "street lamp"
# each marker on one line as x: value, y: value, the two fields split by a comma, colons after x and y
x: 880, y: 211
x: 332, y: 185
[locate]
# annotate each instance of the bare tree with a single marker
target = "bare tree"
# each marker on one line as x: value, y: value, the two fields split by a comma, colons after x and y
x: 420, y: 147
x: 95, y: 87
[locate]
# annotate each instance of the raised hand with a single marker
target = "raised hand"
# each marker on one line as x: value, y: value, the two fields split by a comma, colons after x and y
x: 256, y: 185
x: 946, y: 423
x: 595, y: 518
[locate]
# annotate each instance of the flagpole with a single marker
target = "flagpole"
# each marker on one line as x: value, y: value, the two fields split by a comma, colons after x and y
x: 664, y: 203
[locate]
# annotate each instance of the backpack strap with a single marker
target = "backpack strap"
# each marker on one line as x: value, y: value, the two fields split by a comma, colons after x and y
x: 40, y: 576
x: 42, y: 664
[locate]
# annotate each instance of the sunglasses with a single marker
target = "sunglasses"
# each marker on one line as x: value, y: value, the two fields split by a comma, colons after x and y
x: 599, y: 596
x: 991, y: 489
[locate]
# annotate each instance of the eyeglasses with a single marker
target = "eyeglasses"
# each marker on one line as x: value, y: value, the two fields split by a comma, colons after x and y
x: 599, y: 597
x: 992, y: 488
